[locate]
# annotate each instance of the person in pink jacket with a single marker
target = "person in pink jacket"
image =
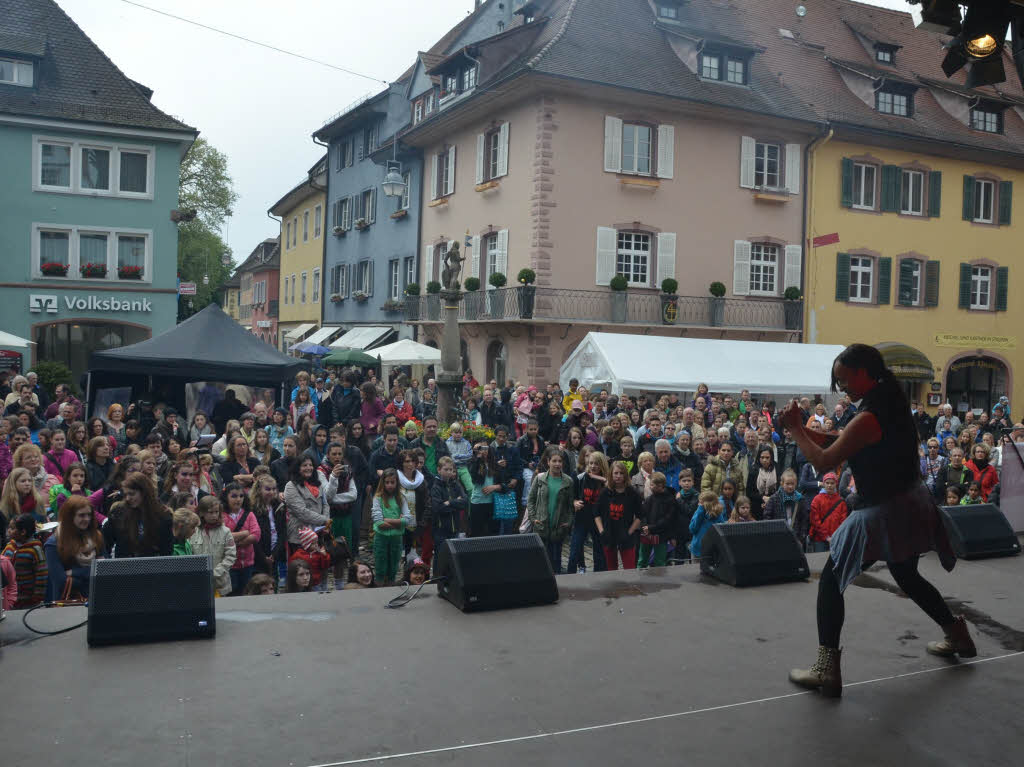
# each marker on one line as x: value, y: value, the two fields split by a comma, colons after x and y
x: 372, y: 410
x: 245, y: 529
x: 58, y: 457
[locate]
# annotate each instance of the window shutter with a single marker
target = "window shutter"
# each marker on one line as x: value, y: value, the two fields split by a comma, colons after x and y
x: 931, y: 283
x: 666, y: 257
x: 346, y: 214
x: 747, y: 149
x: 503, y: 150
x: 842, y: 276
x: 355, y: 206
x: 884, y: 280
x: 451, y: 170
x: 372, y: 212
x: 906, y: 282
x: 481, y: 141
x: 343, y: 274
x: 1002, y: 284
x: 369, y: 278
x: 607, y: 238
x: 501, y: 262
x: 965, y: 284
x: 1005, y: 202
x: 793, y: 168
x: 428, y: 265
x: 968, y: 198
x: 846, y: 190
x: 612, y: 146
x: 474, y: 270
x: 741, y: 268
x: 890, y: 188
x: 435, y: 182
x: 794, y: 257
x: 934, y: 193
x: 666, y: 151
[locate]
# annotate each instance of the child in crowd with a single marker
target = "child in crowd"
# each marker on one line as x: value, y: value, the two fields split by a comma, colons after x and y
x: 74, y: 484
x: 727, y: 497
x: 659, y: 519
x: 689, y: 499
x: 260, y: 585
x: 26, y: 553
x: 589, y: 487
x: 214, y: 538
x: 618, y: 518
x: 312, y: 551
x: 479, y: 519
x: 391, y: 517
x: 461, y: 451
x: 789, y: 504
x: 973, y: 495
x: 245, y: 529
x: 360, y: 576
x: 954, y: 494
x: 183, y: 525
x: 448, y: 502
x: 417, y: 573
x: 300, y: 576
x: 708, y: 513
x: 828, y: 511
x: 741, y: 511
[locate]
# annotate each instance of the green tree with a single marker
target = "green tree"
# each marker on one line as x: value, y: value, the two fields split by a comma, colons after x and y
x: 205, y: 186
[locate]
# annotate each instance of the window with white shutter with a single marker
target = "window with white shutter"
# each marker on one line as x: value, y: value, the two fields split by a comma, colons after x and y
x: 666, y: 150
x: 450, y: 179
x: 606, y: 246
x: 428, y: 264
x: 794, y: 264
x: 793, y: 168
x: 741, y: 268
x: 474, y: 270
x: 612, y: 146
x: 481, y: 157
x: 502, y: 259
x: 503, y: 133
x: 666, y: 256
x: 747, y: 148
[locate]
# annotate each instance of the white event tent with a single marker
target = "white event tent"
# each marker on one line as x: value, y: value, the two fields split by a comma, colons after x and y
x: 406, y: 352
x: 630, y: 364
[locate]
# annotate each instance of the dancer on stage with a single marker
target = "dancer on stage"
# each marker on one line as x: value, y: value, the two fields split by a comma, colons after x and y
x: 897, y: 520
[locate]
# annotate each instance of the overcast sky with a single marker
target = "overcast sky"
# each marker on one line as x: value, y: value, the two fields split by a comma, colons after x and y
x: 258, y: 106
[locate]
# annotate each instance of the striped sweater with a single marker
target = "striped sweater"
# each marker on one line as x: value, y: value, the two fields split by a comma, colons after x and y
x: 30, y: 568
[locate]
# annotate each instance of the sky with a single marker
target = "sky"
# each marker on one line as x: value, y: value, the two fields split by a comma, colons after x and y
x: 258, y: 106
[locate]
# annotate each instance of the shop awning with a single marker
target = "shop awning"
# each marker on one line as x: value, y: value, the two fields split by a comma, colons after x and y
x: 8, y: 339
x: 906, y: 362
x: 322, y: 335
x: 300, y: 331
x: 362, y: 338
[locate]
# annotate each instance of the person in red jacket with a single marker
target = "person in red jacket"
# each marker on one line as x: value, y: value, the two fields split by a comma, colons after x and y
x: 313, y: 553
x: 983, y: 471
x: 398, y: 407
x: 828, y: 511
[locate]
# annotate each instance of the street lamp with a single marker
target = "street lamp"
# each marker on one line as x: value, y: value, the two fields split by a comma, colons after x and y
x: 394, y: 184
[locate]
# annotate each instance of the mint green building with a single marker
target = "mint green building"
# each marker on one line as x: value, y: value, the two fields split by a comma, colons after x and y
x: 88, y: 250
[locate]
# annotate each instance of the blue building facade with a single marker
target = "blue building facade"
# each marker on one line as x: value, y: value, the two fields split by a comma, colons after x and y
x: 91, y: 172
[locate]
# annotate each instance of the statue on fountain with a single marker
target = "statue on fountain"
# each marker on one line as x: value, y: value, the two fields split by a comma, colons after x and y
x: 452, y: 268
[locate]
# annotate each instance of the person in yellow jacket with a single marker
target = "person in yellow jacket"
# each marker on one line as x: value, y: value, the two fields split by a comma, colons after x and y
x: 573, y: 394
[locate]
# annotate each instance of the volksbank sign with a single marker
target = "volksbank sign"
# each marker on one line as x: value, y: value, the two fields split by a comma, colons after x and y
x: 49, y: 304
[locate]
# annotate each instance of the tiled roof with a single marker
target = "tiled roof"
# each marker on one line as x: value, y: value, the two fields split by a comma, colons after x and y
x: 75, y: 79
x: 26, y: 45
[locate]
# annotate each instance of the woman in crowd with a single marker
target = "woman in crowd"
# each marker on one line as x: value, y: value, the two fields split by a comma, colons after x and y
x: 77, y: 437
x: 765, y: 482
x: 550, y: 508
x: 200, y: 427
x: 115, y: 421
x: 305, y: 499
x: 103, y: 499
x: 371, y: 410
x: 139, y: 525
x: 231, y: 428
x: 98, y: 464
x: 182, y: 479
x: 57, y: 457
x: 481, y: 499
x: 357, y: 438
x: 262, y: 450
x: 238, y: 465
x: 574, y: 443
x: 278, y: 429
x: 20, y: 496
x: 28, y: 456
x: 982, y: 470
x: 73, y: 547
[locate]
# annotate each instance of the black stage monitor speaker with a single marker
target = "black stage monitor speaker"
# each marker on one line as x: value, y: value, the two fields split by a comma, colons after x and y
x: 495, y: 571
x: 753, y: 553
x: 151, y: 599
x: 979, y: 530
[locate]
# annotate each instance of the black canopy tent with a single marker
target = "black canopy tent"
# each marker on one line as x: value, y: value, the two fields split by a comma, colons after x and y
x: 208, y: 346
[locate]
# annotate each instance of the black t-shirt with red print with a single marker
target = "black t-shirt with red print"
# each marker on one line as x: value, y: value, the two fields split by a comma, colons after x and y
x: 617, y: 510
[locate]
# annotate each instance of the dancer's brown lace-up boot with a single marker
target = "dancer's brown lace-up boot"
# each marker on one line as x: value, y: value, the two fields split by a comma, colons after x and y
x: 824, y: 675
x: 958, y: 641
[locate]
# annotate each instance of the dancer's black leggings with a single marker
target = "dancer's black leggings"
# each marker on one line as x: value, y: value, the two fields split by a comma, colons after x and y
x: 832, y: 609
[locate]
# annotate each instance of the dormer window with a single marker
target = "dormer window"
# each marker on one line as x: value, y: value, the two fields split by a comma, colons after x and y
x: 668, y: 11
x: 885, y: 54
x: 893, y: 101
x: 725, y: 67
x: 15, y: 72
x: 987, y: 117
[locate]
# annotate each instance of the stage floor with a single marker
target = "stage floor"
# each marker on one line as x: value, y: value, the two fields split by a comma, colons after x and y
x: 652, y: 668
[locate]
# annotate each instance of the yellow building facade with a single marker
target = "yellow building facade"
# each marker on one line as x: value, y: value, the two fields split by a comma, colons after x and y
x: 303, y: 215
x: 916, y: 253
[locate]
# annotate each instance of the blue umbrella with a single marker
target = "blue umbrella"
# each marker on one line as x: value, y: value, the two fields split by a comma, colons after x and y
x: 316, y: 351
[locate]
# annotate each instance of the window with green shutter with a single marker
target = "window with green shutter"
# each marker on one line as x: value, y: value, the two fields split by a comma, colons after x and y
x: 890, y: 188
x: 846, y: 193
x: 1005, y: 202
x: 934, y: 193
x: 931, y: 283
x: 909, y: 286
x: 968, y: 214
x: 842, y: 277
x: 884, y: 280
x: 1002, y: 284
x: 964, y: 300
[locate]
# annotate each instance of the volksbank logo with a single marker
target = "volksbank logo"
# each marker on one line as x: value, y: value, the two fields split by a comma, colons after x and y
x: 51, y: 305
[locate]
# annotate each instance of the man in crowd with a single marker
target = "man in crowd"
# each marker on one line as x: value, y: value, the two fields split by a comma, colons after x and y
x: 343, y: 405
x: 433, y: 447
x: 281, y: 468
x: 38, y: 390
x: 946, y: 413
x: 168, y: 428
x: 492, y: 413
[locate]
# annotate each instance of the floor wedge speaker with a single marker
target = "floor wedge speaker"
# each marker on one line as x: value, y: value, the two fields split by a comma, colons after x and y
x: 979, y: 530
x: 495, y: 572
x: 150, y: 599
x: 753, y: 553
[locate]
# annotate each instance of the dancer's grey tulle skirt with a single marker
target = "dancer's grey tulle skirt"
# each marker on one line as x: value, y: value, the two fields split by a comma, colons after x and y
x: 894, y: 531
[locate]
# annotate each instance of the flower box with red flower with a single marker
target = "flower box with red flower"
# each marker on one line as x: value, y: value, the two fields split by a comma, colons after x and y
x: 54, y: 269
x: 129, y: 272
x: 93, y: 270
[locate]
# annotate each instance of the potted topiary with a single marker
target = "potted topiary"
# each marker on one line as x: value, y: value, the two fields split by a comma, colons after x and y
x: 412, y: 302
x: 495, y: 298
x: 472, y: 298
x: 527, y: 293
x: 717, y: 302
x: 618, y: 285
x: 433, y: 301
x: 793, y: 308
x: 669, y: 307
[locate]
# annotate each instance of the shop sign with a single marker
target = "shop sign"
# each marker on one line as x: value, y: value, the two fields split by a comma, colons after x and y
x: 978, y: 364
x: 40, y: 303
x: 975, y: 342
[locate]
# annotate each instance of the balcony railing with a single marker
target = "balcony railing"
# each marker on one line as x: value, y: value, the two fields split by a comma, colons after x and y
x: 607, y: 307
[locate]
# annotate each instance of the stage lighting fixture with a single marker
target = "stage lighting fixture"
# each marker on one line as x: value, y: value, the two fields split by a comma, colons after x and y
x: 978, y: 43
x: 941, y: 16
